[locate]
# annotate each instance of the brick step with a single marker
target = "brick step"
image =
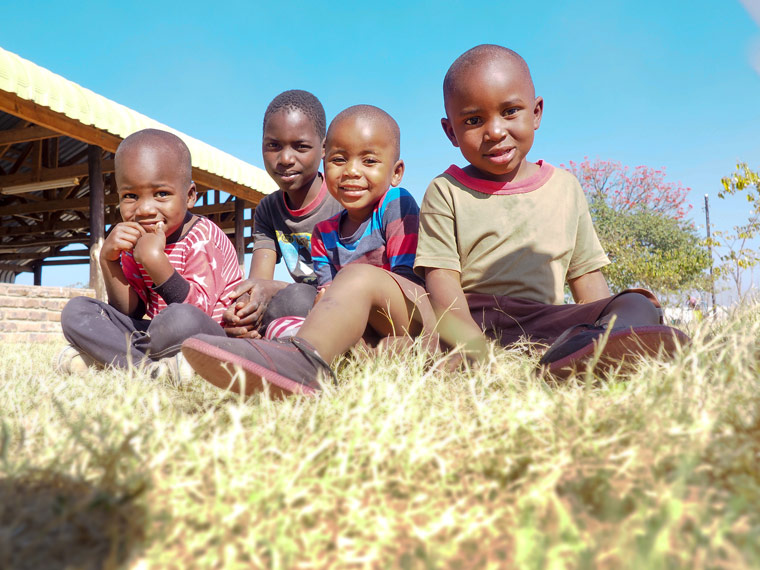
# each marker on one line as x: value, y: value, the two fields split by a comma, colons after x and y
x: 33, y: 314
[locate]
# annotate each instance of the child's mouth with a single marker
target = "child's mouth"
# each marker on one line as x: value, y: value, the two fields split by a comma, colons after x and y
x: 150, y: 225
x: 352, y: 191
x: 287, y: 176
x: 501, y: 156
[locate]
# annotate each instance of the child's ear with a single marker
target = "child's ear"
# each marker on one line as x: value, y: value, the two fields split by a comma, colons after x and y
x: 192, y: 195
x: 446, y: 124
x: 538, y: 112
x: 323, y: 149
x: 398, y: 173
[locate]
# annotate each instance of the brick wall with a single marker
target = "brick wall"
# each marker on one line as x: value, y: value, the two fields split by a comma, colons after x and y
x: 30, y: 314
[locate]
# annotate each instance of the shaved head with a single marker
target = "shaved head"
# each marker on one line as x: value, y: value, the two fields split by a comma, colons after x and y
x: 377, y: 117
x: 483, y: 55
x: 161, y: 141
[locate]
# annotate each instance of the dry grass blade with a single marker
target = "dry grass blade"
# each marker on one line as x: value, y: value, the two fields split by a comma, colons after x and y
x: 400, y: 465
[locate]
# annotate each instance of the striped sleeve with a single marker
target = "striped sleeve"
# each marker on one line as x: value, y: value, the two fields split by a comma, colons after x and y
x: 400, y: 221
x: 323, y: 268
x: 211, y: 268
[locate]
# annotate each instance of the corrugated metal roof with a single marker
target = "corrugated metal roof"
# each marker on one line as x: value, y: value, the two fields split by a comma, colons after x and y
x: 43, y: 87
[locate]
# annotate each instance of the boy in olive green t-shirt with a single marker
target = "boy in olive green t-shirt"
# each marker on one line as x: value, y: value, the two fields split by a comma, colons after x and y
x: 500, y: 237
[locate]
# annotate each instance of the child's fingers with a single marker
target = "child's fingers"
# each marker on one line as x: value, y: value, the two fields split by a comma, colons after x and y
x: 245, y: 308
x: 242, y: 288
x: 235, y: 331
x: 229, y: 315
x: 140, y: 231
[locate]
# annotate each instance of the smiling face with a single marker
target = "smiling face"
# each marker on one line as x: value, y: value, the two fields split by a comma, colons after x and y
x: 361, y: 163
x: 292, y: 150
x: 153, y: 186
x: 491, y: 115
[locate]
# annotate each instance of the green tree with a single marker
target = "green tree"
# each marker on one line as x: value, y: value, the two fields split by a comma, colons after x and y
x: 640, y: 219
x: 649, y: 249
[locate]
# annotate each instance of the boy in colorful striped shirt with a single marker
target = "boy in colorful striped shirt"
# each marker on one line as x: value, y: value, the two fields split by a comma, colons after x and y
x: 363, y: 257
x: 387, y: 239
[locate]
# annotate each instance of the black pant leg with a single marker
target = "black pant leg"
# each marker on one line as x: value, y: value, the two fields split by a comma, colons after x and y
x: 295, y: 300
x: 173, y: 325
x: 103, y: 333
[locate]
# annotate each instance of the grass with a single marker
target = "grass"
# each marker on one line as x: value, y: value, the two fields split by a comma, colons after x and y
x: 400, y: 465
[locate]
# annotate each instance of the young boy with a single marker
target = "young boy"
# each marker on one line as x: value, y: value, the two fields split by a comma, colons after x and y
x: 293, y: 149
x: 365, y: 254
x: 500, y: 237
x: 162, y: 262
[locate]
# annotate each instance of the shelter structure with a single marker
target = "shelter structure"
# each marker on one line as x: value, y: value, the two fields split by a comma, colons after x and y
x: 57, y: 187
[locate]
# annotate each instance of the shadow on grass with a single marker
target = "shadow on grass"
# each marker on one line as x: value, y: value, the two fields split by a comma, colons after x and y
x: 51, y: 521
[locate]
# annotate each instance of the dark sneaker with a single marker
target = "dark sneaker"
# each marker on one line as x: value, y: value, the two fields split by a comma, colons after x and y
x: 289, y: 366
x: 574, y: 349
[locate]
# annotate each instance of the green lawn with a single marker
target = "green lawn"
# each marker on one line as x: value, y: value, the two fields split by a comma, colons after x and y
x: 401, y: 465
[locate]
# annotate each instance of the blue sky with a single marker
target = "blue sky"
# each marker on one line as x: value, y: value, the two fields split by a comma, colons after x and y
x: 664, y: 84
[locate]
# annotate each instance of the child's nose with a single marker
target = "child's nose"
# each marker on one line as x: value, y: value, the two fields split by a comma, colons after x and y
x: 287, y: 157
x: 495, y: 130
x: 352, y: 168
x: 145, y: 208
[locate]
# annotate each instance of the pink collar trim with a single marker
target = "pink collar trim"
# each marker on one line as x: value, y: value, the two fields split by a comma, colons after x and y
x: 530, y: 184
x: 311, y: 206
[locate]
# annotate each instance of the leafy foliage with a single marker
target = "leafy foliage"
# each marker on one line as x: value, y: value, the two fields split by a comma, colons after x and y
x: 639, y: 218
x: 737, y: 253
x: 649, y: 249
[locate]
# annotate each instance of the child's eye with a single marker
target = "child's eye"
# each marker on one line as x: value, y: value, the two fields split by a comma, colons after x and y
x: 162, y: 194
x: 303, y: 147
x: 337, y: 160
x: 511, y: 111
x: 472, y: 121
x: 126, y: 197
x: 371, y: 161
x: 272, y: 146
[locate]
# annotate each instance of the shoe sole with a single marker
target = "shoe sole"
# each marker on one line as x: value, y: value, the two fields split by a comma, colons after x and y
x: 223, y: 369
x: 623, y: 348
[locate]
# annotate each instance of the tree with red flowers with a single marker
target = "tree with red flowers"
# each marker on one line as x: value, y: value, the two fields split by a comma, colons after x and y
x: 626, y: 190
x: 640, y: 219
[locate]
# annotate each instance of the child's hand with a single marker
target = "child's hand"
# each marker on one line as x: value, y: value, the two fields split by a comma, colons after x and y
x: 320, y: 293
x: 232, y: 320
x: 123, y: 237
x: 150, y: 245
x: 251, y: 298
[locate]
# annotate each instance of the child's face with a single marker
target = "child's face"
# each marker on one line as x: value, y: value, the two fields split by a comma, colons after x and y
x: 152, y: 188
x: 360, y: 164
x: 491, y: 117
x: 292, y: 150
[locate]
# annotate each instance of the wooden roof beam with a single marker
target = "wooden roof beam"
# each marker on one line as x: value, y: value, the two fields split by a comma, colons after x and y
x: 50, y: 174
x: 15, y: 268
x: 44, y: 117
x: 48, y: 242
x: 14, y: 136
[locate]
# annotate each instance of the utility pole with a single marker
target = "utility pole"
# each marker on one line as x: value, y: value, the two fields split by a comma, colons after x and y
x: 709, y: 248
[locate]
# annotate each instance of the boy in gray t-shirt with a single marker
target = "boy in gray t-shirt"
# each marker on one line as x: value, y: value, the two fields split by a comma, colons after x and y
x: 292, y: 148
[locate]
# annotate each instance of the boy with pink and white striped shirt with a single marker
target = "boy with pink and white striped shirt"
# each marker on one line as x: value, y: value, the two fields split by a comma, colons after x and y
x: 161, y: 262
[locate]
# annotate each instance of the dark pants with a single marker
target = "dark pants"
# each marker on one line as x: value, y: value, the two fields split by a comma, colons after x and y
x: 113, y: 338
x: 509, y: 319
x: 295, y: 300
